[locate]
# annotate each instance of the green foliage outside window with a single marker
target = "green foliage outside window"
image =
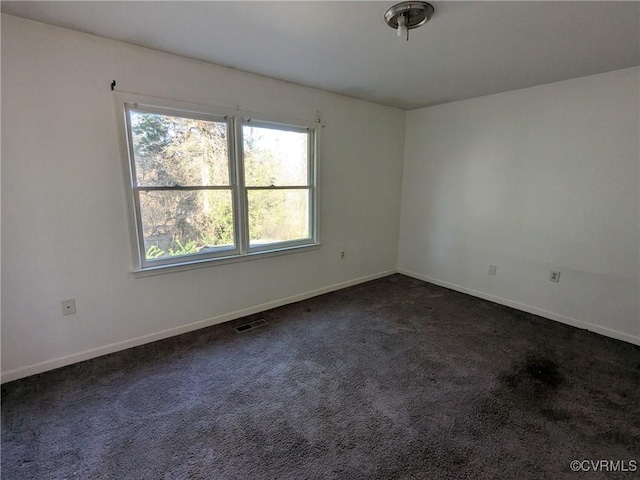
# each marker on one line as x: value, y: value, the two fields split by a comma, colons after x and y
x: 175, y: 151
x: 183, y: 152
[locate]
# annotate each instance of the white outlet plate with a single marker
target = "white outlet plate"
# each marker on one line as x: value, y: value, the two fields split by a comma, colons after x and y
x: 493, y: 269
x: 68, y: 306
x: 554, y: 276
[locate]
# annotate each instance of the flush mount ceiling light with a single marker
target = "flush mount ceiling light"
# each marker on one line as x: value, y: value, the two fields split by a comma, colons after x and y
x: 406, y: 16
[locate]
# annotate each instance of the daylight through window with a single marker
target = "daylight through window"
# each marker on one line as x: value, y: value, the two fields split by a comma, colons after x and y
x: 207, y: 187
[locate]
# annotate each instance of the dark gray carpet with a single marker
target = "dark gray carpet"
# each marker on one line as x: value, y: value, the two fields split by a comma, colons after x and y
x: 392, y: 379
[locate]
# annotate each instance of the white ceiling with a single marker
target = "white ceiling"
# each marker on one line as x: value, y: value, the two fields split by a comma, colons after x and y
x: 468, y: 49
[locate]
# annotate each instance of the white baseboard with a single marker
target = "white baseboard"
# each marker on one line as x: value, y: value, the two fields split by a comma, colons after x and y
x: 134, y: 342
x: 625, y: 337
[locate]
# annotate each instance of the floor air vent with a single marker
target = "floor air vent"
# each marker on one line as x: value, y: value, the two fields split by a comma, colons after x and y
x: 245, y: 327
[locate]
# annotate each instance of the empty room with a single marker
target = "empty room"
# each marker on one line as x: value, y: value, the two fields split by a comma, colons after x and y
x: 320, y: 240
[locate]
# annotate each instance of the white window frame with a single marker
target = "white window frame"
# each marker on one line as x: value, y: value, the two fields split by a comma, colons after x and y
x: 235, y: 119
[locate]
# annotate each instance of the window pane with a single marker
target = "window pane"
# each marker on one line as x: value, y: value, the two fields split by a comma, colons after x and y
x: 185, y: 222
x: 278, y: 216
x: 179, y: 151
x: 274, y: 157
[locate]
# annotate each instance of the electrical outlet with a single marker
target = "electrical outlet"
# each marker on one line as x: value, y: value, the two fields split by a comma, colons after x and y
x: 554, y: 276
x: 68, y: 306
x: 342, y: 255
x: 493, y: 269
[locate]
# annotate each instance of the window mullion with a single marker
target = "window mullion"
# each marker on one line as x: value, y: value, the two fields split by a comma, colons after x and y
x: 234, y: 172
x: 243, y: 210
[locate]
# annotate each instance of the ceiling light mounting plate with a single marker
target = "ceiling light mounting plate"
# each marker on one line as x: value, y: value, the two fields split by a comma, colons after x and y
x: 415, y: 14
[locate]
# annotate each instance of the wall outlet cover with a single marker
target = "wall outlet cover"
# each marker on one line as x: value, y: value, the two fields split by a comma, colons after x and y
x: 68, y: 306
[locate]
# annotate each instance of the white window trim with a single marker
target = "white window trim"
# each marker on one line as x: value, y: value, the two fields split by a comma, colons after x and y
x: 236, y: 119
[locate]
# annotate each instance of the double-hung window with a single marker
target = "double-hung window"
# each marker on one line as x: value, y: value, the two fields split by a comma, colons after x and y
x: 278, y: 184
x: 211, y: 186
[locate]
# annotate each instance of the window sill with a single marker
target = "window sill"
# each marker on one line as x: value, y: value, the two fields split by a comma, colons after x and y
x: 209, y: 262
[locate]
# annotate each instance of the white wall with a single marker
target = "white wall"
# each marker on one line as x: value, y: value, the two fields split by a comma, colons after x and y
x: 64, y: 228
x: 532, y: 180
